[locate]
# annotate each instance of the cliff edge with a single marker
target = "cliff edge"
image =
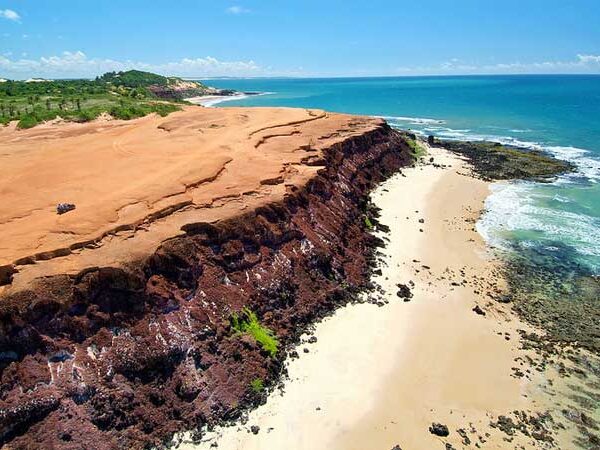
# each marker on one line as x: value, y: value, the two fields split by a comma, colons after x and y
x: 127, y: 318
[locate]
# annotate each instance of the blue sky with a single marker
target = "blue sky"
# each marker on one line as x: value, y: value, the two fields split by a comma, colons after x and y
x: 196, y: 38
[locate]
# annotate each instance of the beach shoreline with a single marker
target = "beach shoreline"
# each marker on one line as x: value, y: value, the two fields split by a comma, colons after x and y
x: 447, y: 355
x: 212, y: 100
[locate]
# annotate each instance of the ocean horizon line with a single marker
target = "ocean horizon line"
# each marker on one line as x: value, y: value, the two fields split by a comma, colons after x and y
x: 378, y: 77
x: 333, y: 77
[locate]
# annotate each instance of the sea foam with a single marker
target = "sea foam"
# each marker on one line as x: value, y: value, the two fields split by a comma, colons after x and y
x: 514, y: 206
x: 412, y: 120
x: 216, y: 101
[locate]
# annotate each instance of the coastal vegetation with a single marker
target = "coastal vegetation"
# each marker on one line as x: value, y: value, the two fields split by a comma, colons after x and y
x: 257, y: 385
x: 417, y: 150
x: 133, y: 79
x: 248, y: 323
x: 123, y: 95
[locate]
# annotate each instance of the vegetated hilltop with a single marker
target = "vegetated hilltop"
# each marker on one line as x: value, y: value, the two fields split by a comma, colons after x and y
x: 123, y: 95
x: 158, y: 85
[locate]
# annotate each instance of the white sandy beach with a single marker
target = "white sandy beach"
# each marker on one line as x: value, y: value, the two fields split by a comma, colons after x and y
x: 211, y: 100
x: 379, y: 376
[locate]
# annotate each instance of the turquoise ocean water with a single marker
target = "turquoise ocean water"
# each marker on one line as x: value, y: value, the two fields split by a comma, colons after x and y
x: 559, y: 221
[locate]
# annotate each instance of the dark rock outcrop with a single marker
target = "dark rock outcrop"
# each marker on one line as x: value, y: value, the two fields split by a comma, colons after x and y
x: 404, y: 292
x: 439, y: 429
x: 493, y: 161
x: 477, y: 310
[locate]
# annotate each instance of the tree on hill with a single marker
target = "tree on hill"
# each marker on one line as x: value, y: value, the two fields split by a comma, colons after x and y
x: 133, y: 79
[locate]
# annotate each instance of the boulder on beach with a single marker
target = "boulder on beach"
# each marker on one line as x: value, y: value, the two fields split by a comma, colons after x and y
x: 439, y: 429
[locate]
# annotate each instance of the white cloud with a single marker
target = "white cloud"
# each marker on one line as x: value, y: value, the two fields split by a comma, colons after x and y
x: 10, y: 15
x: 587, y: 59
x: 237, y: 10
x: 77, y: 64
x: 582, y: 64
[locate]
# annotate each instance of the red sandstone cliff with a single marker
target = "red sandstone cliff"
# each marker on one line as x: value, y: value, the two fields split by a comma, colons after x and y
x: 122, y: 357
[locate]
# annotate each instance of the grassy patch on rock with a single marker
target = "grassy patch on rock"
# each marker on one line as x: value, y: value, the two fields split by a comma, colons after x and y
x: 257, y: 385
x: 416, y: 148
x: 247, y: 323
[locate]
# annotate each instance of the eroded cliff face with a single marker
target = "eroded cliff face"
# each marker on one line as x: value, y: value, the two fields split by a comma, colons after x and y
x: 122, y: 357
x: 179, y: 89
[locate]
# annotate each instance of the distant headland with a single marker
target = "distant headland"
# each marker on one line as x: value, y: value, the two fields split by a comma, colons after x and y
x: 122, y: 95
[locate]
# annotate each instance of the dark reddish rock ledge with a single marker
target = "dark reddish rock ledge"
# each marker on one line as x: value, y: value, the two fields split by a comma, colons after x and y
x: 123, y: 358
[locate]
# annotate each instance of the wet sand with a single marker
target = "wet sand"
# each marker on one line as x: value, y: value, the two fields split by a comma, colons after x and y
x: 380, y: 376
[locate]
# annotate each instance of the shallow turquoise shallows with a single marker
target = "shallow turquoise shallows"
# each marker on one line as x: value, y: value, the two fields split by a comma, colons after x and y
x: 559, y: 114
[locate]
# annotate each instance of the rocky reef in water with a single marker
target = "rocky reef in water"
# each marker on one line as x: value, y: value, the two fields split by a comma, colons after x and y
x: 550, y: 290
x: 125, y: 356
x: 494, y: 161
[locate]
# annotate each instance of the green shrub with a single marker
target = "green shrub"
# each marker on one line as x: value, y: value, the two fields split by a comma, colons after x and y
x: 87, y: 115
x: 417, y: 149
x: 43, y: 115
x: 248, y: 323
x: 128, y: 111
x: 133, y: 78
x: 28, y: 121
x: 257, y: 385
x: 164, y: 109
